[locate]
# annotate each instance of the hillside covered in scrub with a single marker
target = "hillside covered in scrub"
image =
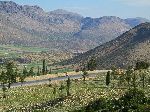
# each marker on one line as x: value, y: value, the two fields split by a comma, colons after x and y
x: 123, y: 51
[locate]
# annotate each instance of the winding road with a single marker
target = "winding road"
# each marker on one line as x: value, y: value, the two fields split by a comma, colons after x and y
x: 47, y: 81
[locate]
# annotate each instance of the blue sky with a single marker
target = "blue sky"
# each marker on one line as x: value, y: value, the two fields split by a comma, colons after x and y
x: 96, y: 8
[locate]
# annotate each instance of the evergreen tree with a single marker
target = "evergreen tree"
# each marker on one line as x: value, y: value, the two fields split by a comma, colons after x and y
x: 31, y: 71
x: 21, y: 77
x: 54, y: 91
x: 10, y: 73
x: 49, y: 82
x: 128, y: 76
x: 38, y: 71
x: 46, y: 70
x: 91, y: 65
x: 142, y: 67
x: 44, y: 67
x: 108, y: 78
x: 62, y: 87
x: 25, y: 72
x: 134, y: 80
x: 68, y: 86
x: 50, y: 71
x: 15, y: 74
x: 3, y: 80
x: 85, y: 74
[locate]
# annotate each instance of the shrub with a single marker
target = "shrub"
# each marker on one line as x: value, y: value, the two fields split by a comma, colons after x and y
x: 132, y: 99
x: 96, y: 105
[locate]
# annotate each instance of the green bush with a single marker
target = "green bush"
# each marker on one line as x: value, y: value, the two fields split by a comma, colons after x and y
x: 93, y: 106
x: 132, y: 99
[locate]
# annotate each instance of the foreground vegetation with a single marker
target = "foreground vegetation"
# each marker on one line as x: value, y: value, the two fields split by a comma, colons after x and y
x: 90, y: 95
x: 82, y: 92
x: 117, y: 90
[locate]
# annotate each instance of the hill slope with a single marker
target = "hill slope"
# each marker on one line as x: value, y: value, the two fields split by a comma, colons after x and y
x: 123, y: 51
x: 58, y: 29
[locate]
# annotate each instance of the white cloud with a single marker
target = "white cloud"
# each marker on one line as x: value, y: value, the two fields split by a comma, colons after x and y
x: 135, y: 2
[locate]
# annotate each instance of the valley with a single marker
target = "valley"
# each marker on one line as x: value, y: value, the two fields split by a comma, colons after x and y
x: 53, y: 59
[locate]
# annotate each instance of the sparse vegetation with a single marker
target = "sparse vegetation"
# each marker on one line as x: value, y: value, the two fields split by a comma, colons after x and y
x: 76, y: 95
x: 45, y: 65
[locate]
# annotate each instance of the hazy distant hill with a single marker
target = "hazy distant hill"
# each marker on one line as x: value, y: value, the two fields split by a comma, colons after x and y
x: 123, y: 51
x: 136, y: 21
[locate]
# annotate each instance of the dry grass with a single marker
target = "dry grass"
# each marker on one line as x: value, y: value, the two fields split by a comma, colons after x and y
x: 56, y: 75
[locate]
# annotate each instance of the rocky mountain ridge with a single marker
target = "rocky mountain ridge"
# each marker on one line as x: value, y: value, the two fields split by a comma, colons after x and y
x: 58, y: 29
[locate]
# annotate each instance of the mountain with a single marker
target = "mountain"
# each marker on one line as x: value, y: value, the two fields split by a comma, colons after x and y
x: 136, y: 21
x: 58, y: 30
x: 125, y: 50
x: 101, y: 30
x: 31, y: 26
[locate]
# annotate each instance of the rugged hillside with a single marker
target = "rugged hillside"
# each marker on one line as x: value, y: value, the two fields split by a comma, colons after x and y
x: 56, y: 30
x: 123, y: 51
x: 101, y: 30
x: 30, y: 25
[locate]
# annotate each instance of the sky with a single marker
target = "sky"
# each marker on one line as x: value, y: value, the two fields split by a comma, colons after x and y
x: 95, y: 8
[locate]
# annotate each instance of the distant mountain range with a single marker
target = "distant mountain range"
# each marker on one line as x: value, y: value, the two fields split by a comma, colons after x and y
x: 58, y: 29
x: 123, y: 51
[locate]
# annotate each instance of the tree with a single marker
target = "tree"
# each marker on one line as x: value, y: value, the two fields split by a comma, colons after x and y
x: 108, y: 78
x: 134, y: 78
x: 38, y: 71
x: 85, y: 74
x: 10, y: 73
x: 46, y: 70
x: 142, y: 66
x: 91, y: 65
x: 50, y: 71
x: 128, y: 76
x: 62, y: 87
x: 31, y: 71
x: 44, y: 67
x: 54, y: 91
x: 131, y: 99
x: 113, y: 73
x: 25, y: 72
x: 68, y: 86
x: 15, y: 74
x: 49, y: 82
x: 77, y: 70
x: 3, y: 80
x: 23, y: 75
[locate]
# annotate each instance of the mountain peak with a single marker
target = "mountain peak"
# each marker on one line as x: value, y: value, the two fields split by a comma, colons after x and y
x: 9, y: 7
x: 64, y: 12
x: 35, y: 7
x: 7, y: 2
